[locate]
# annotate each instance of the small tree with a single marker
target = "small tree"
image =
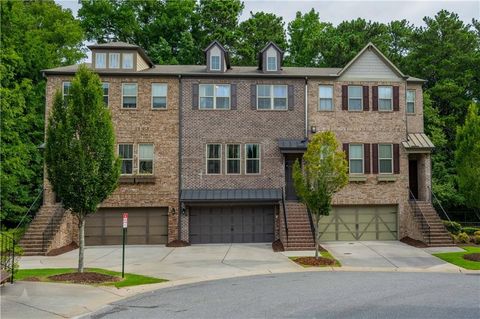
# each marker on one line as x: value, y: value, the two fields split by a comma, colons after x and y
x: 467, y: 158
x: 324, y: 173
x: 80, y: 150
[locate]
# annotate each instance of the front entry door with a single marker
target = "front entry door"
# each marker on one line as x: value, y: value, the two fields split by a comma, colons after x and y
x: 290, y: 193
x: 413, y: 177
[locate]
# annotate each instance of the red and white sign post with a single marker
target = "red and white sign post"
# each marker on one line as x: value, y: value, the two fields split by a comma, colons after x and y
x: 125, y: 225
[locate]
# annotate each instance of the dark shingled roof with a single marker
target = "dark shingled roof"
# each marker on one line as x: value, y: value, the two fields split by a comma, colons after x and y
x: 234, y: 195
x: 292, y: 146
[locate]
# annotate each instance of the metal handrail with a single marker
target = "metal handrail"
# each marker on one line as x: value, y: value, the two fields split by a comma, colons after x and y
x: 312, y: 227
x: 30, y: 208
x: 51, y: 227
x: 285, y: 223
x: 7, y: 254
x: 417, y: 211
x: 438, y: 202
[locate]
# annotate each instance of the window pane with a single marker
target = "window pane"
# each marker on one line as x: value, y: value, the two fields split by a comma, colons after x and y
x: 410, y: 101
x: 206, y: 102
x: 233, y: 151
x: 159, y: 102
x: 410, y: 107
x: 272, y: 63
x: 127, y: 166
x: 129, y: 102
x: 356, y: 151
x: 159, y: 89
x: 326, y: 91
x: 384, y: 104
x: 280, y: 103
x: 263, y: 103
x: 145, y: 151
x: 356, y: 166
x: 128, y: 60
x: 326, y: 104
x: 125, y: 150
x: 145, y: 167
x: 280, y: 91
x: 385, y: 166
x: 213, y: 150
x: 66, y: 88
x: 206, y: 90
x: 223, y: 103
x: 233, y: 167
x: 100, y: 60
x: 355, y: 104
x: 105, y: 88
x: 114, y: 61
x: 384, y: 92
x: 253, y: 166
x: 355, y: 92
x: 213, y: 167
x: 222, y: 90
x: 385, y: 151
x: 215, y: 62
x: 129, y: 89
x: 252, y: 150
x: 263, y: 90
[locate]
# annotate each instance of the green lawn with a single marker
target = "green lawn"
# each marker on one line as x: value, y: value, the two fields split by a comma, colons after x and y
x: 129, y: 280
x: 457, y: 258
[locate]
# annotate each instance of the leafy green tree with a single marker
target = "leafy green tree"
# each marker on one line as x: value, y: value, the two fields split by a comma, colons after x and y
x: 255, y: 33
x: 80, y: 150
x: 467, y: 158
x: 324, y: 173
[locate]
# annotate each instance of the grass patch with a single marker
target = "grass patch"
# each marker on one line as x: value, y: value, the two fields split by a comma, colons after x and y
x: 325, y: 254
x: 457, y: 258
x: 129, y: 280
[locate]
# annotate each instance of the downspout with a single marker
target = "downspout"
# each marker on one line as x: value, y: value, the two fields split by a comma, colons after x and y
x: 306, y: 107
x: 180, y: 123
x: 406, y: 114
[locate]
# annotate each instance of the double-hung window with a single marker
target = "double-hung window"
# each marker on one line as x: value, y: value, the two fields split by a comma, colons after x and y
x: 325, y: 100
x: 129, y: 95
x: 214, y: 158
x: 100, y: 60
x: 233, y: 158
x: 66, y: 89
x: 114, y: 60
x: 252, y: 159
x: 385, y: 98
x: 272, y: 97
x: 355, y: 153
x: 127, y: 60
x: 215, y: 62
x: 159, y: 95
x: 105, y: 88
x: 385, y: 158
x: 145, y: 158
x: 411, y: 101
x: 272, y: 63
x: 214, y: 96
x: 355, y: 98
x: 125, y: 152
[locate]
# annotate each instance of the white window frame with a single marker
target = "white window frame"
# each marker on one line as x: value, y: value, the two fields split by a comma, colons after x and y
x: 272, y: 97
x: 413, y: 102
x: 259, y: 158
x: 146, y: 159
x: 123, y: 60
x: 107, y: 84
x: 128, y: 159
x: 391, y: 98
x: 63, y: 88
x: 136, y: 96
x: 268, y: 64
x: 355, y: 98
x: 214, y: 96
x: 153, y: 96
x: 104, y: 54
x: 219, y: 62
x: 110, y: 55
x: 320, y: 98
x: 362, y: 158
x: 386, y: 158
x: 239, y: 158
x: 219, y: 159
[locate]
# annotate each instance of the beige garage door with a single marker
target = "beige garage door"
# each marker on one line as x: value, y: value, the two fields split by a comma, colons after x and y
x: 360, y: 223
x: 145, y: 226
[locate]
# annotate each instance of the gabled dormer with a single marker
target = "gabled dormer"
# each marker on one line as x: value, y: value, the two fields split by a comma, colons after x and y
x: 270, y: 58
x: 119, y: 56
x: 217, y: 58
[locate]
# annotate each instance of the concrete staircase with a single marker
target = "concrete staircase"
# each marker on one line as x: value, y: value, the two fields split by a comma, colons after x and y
x: 299, y: 231
x: 437, y: 233
x: 46, y: 222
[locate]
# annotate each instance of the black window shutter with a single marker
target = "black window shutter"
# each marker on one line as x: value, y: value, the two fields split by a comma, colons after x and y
x: 366, y: 158
x: 233, y: 94
x: 396, y: 98
x: 375, y: 158
x: 374, y: 98
x: 345, y: 149
x: 195, y: 96
x: 396, y: 158
x: 345, y: 97
x: 366, y: 102
x: 253, y: 96
x: 291, y: 97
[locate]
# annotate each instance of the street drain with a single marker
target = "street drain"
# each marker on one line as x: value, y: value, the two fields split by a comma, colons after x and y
x: 347, y: 253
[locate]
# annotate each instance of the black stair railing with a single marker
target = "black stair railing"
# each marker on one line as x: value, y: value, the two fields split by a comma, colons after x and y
x: 417, y: 212
x: 7, y: 254
x: 312, y: 226
x: 285, y: 221
x: 435, y: 200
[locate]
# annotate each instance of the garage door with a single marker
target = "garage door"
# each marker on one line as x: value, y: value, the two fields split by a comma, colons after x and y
x: 237, y: 224
x: 145, y: 226
x: 360, y: 223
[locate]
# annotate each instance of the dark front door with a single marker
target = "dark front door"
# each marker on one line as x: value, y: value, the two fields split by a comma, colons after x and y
x: 290, y: 193
x: 413, y: 177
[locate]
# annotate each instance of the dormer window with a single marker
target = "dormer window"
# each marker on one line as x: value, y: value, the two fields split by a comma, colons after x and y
x: 216, y: 58
x: 114, y: 60
x: 215, y: 63
x: 270, y: 58
x: 272, y: 63
x: 127, y: 60
x: 100, y: 60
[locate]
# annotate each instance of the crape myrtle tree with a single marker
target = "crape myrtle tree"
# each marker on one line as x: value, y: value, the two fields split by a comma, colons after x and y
x: 80, y: 150
x: 324, y: 173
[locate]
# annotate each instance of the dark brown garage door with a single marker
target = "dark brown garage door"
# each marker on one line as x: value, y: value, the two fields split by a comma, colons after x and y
x: 237, y: 224
x: 145, y: 226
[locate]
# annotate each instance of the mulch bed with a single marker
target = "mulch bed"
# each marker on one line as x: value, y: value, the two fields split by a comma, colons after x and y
x: 311, y: 261
x: 277, y: 246
x: 84, y: 278
x: 472, y: 257
x: 62, y: 250
x: 413, y: 242
x: 178, y: 243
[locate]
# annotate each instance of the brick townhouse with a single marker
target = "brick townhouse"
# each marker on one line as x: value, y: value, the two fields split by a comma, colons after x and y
x: 207, y: 150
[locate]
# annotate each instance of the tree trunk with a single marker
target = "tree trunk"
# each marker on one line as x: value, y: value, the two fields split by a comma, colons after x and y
x: 81, y: 242
x: 317, y: 223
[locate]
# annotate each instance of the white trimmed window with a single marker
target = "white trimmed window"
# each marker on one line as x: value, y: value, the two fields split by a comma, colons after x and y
x: 272, y: 63
x: 129, y: 95
x: 385, y: 158
x: 411, y: 95
x: 233, y: 158
x: 105, y: 88
x: 100, y: 60
x: 252, y: 159
x: 159, y: 95
x: 214, y: 158
x: 66, y: 89
x: 145, y: 159
x: 214, y: 96
x: 127, y: 60
x: 325, y: 98
x: 355, y: 154
x: 385, y: 98
x: 125, y: 152
x: 355, y: 98
x: 215, y: 62
x: 114, y: 60
x: 272, y: 97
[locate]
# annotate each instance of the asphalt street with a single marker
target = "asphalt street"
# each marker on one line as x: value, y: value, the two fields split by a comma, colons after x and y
x: 311, y: 295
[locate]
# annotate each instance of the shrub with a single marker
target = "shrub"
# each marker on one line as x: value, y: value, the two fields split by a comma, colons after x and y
x: 453, y: 227
x: 454, y: 238
x: 470, y: 230
x: 463, y: 238
x: 476, y: 239
x: 477, y: 233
